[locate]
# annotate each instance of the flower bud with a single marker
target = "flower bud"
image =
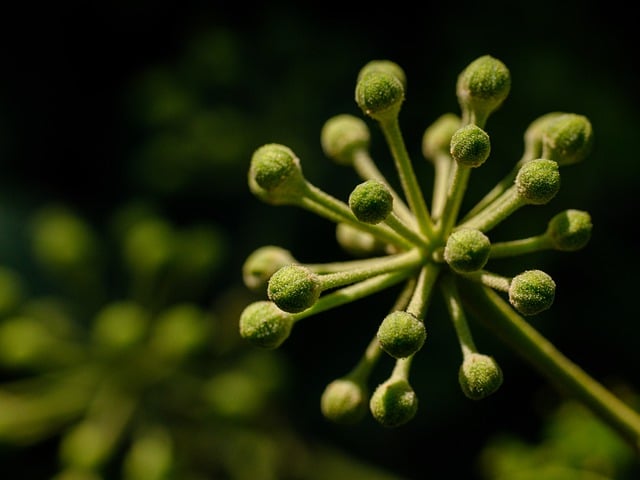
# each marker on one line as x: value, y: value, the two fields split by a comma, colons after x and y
x: 479, y: 376
x: 393, y: 403
x: 532, y: 292
x: 343, y: 135
x: 275, y: 174
x: 25, y: 341
x: 538, y: 181
x: 371, y: 202
x: 344, y: 401
x: 567, y: 139
x: 262, y: 263
x: 379, y: 94
x: 436, y: 139
x: 120, y: 325
x: 534, y: 133
x: 386, y: 66
x: 294, y: 288
x: 467, y: 250
x: 265, y: 325
x: 401, y: 334
x: 570, y: 230
x: 470, y: 146
x: 482, y: 87
x: 180, y: 330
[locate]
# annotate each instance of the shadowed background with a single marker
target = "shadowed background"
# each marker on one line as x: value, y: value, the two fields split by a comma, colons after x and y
x: 166, y: 102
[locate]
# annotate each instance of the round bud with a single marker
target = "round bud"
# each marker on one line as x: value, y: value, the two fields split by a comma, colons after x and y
x: 570, y: 230
x: 532, y: 292
x: 294, y: 288
x: 25, y: 342
x: 393, y: 403
x: 379, y: 94
x: 265, y: 325
x: 343, y: 135
x: 275, y: 174
x: 358, y: 242
x: 120, y: 325
x: 262, y: 263
x: 479, y: 376
x: 344, y: 401
x: 436, y: 139
x: 482, y: 86
x: 534, y: 133
x: 470, y: 146
x: 180, y: 330
x: 386, y: 66
x: 567, y: 139
x: 538, y: 181
x: 371, y: 201
x: 401, y: 334
x: 467, y: 250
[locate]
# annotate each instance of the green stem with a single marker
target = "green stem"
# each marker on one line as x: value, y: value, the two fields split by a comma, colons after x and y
x: 551, y: 363
x: 419, y: 303
x: 494, y: 193
x: 495, y: 213
x: 457, y: 315
x: 458, y: 185
x: 442, y: 164
x: 400, y: 261
x: 323, y: 204
x: 353, y: 292
x: 521, y: 246
x: 410, y: 185
x: 398, y: 226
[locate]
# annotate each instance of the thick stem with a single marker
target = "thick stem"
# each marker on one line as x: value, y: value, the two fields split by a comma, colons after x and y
x: 551, y: 363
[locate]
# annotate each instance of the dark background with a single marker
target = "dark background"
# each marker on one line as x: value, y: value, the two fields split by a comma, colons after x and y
x: 72, y: 90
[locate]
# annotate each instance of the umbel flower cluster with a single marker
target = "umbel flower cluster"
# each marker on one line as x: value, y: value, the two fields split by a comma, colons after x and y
x: 399, y: 238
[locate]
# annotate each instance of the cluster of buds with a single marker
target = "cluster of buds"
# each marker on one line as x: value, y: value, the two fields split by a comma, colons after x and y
x: 401, y: 239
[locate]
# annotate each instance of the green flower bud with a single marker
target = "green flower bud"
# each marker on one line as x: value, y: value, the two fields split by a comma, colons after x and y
x: 62, y: 240
x: 344, y: 401
x: 538, y: 181
x: 401, y: 334
x: 180, y: 330
x: 265, y: 325
x: 371, y: 201
x: 467, y: 250
x: 482, y: 87
x: 386, y: 66
x: 343, y: 135
x: 149, y: 245
x: 25, y: 341
x: 394, y: 403
x: 532, y: 292
x: 436, y: 139
x: 379, y: 94
x: 150, y: 456
x: 120, y: 325
x: 262, y: 263
x: 470, y: 146
x: 275, y: 174
x: 358, y: 242
x: 567, y: 139
x: 534, y: 133
x: 86, y: 445
x: 479, y: 376
x: 294, y: 288
x: 570, y: 230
